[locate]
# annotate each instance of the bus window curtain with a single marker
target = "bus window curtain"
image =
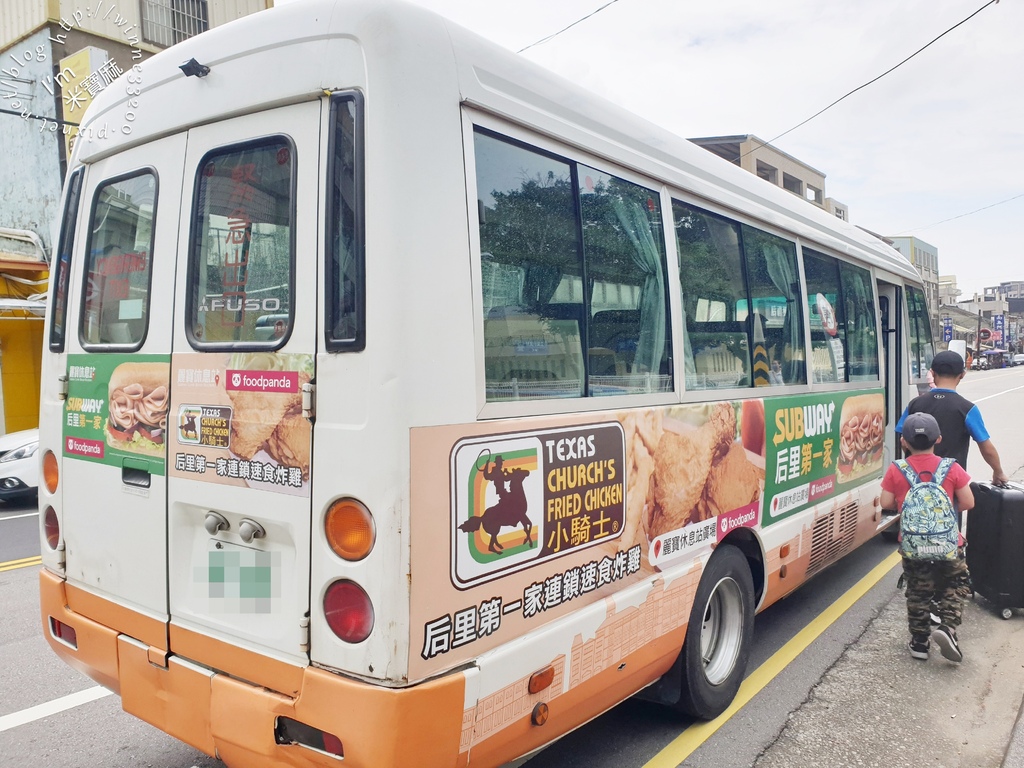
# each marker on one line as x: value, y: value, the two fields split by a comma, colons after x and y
x: 647, y: 256
x: 782, y: 271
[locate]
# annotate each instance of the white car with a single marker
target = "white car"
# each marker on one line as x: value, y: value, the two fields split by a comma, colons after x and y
x: 19, y: 465
x: 1018, y: 359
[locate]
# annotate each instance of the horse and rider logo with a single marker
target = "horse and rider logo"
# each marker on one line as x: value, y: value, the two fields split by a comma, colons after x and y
x: 498, y: 499
x: 511, y: 507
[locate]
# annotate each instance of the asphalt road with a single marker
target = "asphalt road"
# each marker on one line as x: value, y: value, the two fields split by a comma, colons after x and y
x: 19, y: 530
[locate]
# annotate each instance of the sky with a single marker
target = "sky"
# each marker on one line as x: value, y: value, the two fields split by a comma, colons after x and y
x: 933, y: 141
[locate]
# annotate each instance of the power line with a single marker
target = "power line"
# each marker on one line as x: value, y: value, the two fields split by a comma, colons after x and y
x: 962, y: 215
x: 578, y: 21
x: 873, y: 80
x: 44, y: 118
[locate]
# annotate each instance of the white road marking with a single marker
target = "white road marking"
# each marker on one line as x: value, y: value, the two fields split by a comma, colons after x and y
x: 48, y: 708
x: 16, y: 517
x: 997, y: 394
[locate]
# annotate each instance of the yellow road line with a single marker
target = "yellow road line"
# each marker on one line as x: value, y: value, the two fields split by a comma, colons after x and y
x: 687, y: 742
x: 11, y: 565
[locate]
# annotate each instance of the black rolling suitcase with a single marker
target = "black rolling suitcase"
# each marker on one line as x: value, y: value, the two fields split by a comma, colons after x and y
x: 995, y: 545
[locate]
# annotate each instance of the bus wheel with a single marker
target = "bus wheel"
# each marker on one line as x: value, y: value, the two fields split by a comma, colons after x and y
x: 714, y: 657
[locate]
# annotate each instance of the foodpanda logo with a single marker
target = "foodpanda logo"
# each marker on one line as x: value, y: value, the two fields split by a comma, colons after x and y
x: 236, y: 379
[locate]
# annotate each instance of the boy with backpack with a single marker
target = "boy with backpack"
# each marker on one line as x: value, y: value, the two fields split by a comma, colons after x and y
x: 923, y: 487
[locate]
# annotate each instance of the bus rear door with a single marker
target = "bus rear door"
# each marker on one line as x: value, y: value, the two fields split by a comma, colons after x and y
x: 243, y: 354
x: 118, y: 347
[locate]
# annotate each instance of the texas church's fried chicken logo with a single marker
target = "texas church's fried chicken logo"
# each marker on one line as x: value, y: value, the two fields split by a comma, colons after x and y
x: 510, y: 509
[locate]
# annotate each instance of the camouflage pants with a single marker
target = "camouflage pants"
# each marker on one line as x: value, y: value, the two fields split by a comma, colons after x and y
x: 935, y: 585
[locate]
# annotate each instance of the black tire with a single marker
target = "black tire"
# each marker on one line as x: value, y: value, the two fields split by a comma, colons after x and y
x: 714, y: 657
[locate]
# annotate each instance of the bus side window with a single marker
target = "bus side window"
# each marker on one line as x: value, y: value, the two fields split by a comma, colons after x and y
x: 861, y: 328
x: 741, y: 303
x: 921, y: 348
x: 115, y: 298
x: 840, y: 302
x: 773, y: 281
x: 717, y: 346
x: 531, y: 251
x: 827, y: 317
x: 624, y: 250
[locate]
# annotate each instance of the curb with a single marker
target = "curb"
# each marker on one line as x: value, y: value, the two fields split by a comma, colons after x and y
x: 1014, y: 757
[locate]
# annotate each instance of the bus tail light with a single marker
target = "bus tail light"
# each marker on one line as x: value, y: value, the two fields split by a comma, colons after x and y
x: 51, y: 527
x: 348, y: 611
x: 349, y: 529
x: 51, y: 472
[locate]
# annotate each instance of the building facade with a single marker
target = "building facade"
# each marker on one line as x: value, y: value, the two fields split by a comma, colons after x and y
x: 55, y: 55
x: 925, y: 258
x: 776, y: 167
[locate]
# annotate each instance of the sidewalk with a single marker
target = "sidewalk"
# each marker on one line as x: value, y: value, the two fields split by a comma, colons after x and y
x: 877, y: 706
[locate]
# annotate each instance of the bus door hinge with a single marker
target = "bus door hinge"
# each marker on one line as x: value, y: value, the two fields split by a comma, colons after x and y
x: 309, y: 400
x: 62, y: 386
x: 304, y: 632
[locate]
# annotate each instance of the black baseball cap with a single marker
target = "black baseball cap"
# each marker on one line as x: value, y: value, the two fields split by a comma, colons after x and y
x: 948, y: 363
x: 921, y: 430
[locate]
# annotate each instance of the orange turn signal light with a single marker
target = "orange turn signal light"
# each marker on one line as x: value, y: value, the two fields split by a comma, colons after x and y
x: 50, y: 471
x: 350, y: 530
x: 542, y: 679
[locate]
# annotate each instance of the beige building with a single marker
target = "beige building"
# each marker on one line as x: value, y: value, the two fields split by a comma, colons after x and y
x: 925, y: 258
x: 776, y: 167
x: 949, y: 293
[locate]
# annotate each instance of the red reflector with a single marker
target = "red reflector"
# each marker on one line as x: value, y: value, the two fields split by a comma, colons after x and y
x: 63, y: 632
x: 332, y: 744
x: 348, y: 611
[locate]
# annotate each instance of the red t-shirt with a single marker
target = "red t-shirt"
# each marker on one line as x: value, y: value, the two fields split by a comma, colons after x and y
x: 895, y: 482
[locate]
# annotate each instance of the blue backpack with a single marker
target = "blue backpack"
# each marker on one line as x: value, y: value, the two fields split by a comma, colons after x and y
x: 928, y: 524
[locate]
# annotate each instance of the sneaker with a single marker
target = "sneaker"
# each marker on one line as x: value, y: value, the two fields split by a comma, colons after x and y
x: 934, y: 619
x: 919, y: 647
x: 945, y: 638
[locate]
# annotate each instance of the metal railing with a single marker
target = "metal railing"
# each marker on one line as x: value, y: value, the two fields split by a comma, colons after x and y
x: 166, y: 22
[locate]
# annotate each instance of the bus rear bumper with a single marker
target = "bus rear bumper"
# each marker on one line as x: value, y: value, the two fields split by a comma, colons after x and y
x: 235, y: 721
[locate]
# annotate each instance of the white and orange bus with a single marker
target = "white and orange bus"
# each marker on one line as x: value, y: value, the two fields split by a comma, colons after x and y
x: 404, y: 403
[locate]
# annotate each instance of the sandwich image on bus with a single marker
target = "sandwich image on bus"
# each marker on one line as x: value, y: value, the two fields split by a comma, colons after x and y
x: 441, y: 405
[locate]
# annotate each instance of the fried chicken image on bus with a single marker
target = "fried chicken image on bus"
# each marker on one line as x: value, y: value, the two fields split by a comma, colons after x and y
x: 289, y: 445
x: 682, y: 465
x: 256, y: 416
x: 271, y: 421
x: 733, y: 483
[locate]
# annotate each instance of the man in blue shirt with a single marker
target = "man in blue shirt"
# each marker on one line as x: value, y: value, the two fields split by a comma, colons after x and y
x: 959, y: 419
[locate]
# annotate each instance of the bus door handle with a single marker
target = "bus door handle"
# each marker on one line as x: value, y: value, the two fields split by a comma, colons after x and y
x: 135, y: 472
x: 250, y: 530
x: 215, y: 522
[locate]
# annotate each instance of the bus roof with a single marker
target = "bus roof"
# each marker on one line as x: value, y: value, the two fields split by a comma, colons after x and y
x: 298, y: 51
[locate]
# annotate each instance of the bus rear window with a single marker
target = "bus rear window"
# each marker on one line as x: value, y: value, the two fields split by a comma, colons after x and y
x: 346, y: 306
x: 118, y: 264
x: 62, y: 263
x: 243, y: 247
